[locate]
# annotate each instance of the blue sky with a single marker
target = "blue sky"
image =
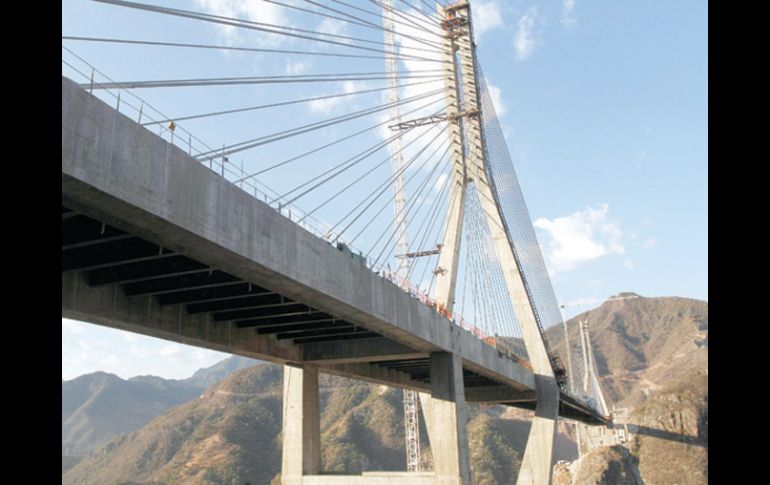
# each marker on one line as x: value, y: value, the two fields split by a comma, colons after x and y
x: 604, y: 106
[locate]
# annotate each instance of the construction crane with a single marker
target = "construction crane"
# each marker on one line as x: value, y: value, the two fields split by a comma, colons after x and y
x: 411, y: 412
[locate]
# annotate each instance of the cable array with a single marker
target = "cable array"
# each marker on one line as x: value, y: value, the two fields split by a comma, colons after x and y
x: 318, y: 137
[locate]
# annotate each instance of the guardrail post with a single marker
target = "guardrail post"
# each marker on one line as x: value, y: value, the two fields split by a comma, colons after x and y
x: 223, y: 160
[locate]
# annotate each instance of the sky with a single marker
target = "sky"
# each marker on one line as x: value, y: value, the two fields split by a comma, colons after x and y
x: 604, y: 106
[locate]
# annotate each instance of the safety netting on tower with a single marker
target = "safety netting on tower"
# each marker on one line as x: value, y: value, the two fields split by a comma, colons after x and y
x: 518, y: 227
x: 574, y: 357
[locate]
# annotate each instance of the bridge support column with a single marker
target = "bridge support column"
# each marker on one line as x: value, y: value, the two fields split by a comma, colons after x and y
x: 301, y: 424
x: 537, y: 464
x: 446, y: 420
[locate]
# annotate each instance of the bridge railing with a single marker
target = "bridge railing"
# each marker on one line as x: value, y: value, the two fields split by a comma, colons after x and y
x: 137, y: 108
x: 416, y: 292
x: 126, y: 102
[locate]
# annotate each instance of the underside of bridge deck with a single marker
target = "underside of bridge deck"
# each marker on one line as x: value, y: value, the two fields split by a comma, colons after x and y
x: 104, y: 255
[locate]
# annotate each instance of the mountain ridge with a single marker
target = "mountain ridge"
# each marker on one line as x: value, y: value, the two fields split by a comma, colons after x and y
x: 100, y: 405
x: 235, y: 424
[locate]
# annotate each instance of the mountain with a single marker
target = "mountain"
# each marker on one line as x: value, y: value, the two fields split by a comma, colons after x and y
x: 231, y: 434
x: 362, y: 426
x: 207, y: 377
x: 640, y: 344
x: 231, y: 431
x: 606, y: 465
x: 651, y: 353
x: 672, y: 432
x: 669, y: 445
x: 652, y: 360
x: 98, y: 406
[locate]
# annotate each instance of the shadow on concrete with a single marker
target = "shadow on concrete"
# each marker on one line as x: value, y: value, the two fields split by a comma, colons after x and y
x: 666, y: 435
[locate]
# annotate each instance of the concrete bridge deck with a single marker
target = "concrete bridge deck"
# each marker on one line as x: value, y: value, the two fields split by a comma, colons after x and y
x: 156, y: 243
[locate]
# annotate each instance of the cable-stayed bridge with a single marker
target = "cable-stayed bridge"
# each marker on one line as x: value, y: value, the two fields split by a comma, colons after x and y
x: 382, y: 235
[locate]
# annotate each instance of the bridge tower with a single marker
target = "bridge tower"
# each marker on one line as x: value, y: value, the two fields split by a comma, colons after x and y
x: 589, y: 437
x: 445, y: 411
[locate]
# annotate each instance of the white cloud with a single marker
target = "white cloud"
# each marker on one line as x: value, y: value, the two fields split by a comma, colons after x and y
x: 111, y: 360
x: 580, y: 237
x: 524, y: 41
x: 251, y: 10
x: 333, y: 27
x: 129, y: 337
x: 649, y: 243
x: 567, y: 19
x: 440, y: 181
x: 325, y: 106
x: 295, y: 68
x: 89, y: 348
x: 408, y: 40
x: 628, y: 264
x: 497, y: 101
x: 73, y: 326
x: 508, y: 131
x: 486, y: 16
x: 612, y: 236
x: 383, y: 130
x: 206, y: 357
x: 170, y: 350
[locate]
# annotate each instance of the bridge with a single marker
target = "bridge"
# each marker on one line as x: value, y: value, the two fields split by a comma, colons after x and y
x: 161, y: 242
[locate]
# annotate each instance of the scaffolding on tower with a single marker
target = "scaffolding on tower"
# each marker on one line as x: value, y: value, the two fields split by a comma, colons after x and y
x: 411, y: 416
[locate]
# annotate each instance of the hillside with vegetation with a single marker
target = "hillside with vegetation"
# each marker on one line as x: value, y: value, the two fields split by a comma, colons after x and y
x: 98, y: 406
x: 652, y: 358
